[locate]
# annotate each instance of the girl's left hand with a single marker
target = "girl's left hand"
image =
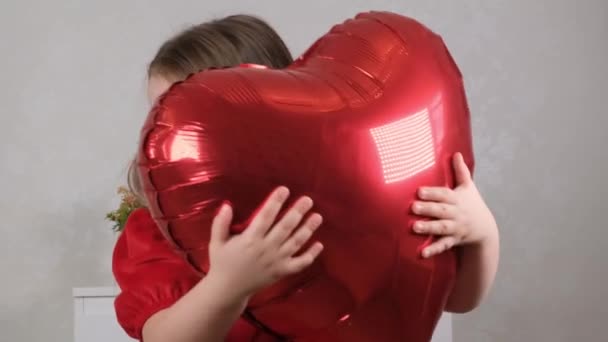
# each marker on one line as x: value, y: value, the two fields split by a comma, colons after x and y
x: 460, y: 216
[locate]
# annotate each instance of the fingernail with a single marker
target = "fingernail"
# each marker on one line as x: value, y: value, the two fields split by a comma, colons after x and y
x: 416, y: 207
x: 222, y: 209
x: 419, y: 226
x: 426, y: 253
x: 316, y: 221
x: 423, y: 192
x: 309, y: 200
x: 319, y: 248
x: 283, y: 192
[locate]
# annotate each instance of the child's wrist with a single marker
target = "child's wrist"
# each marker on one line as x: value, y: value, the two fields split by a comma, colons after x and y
x: 230, y: 292
x: 490, y: 237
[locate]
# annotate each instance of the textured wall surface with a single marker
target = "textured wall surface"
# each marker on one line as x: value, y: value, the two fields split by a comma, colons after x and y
x: 72, y: 100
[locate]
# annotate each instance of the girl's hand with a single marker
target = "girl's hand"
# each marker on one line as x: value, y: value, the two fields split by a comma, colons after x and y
x: 263, y: 253
x: 460, y: 216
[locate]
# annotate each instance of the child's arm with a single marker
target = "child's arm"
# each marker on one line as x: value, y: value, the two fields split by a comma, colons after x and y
x: 206, y: 313
x: 461, y: 219
x: 476, y: 273
x: 153, y: 278
x: 240, y: 266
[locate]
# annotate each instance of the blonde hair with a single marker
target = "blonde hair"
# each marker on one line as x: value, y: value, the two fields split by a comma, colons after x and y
x: 226, y: 42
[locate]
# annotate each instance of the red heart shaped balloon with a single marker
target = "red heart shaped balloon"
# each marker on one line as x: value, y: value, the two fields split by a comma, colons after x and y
x: 373, y: 110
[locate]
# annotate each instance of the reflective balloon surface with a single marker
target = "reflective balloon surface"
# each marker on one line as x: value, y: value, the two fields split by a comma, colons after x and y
x: 372, y: 111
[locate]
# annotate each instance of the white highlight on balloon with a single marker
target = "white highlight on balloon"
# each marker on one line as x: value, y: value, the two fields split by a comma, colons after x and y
x: 405, y: 146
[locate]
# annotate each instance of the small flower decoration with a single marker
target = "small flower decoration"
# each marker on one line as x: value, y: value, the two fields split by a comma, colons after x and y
x: 128, y: 204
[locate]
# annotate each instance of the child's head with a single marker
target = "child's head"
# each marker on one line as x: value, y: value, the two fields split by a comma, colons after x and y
x: 225, y: 42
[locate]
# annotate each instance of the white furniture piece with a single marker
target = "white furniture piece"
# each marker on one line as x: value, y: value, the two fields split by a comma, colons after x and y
x: 94, y: 316
x: 95, y: 320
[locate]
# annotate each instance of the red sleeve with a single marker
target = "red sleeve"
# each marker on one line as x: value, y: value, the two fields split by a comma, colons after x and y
x: 150, y: 274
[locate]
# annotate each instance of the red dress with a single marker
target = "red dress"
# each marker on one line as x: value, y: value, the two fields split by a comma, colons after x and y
x: 152, y: 276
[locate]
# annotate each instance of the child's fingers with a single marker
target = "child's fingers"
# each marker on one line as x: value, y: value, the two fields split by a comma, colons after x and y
x: 439, y: 246
x: 437, y: 227
x: 461, y: 170
x: 264, y: 219
x: 301, y: 236
x: 434, y: 210
x: 437, y: 194
x: 281, y: 231
x: 220, y: 227
x: 299, y: 263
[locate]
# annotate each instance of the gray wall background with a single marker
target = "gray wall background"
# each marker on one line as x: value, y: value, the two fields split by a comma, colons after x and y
x: 72, y: 100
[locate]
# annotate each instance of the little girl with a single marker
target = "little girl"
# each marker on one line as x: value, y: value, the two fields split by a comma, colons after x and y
x: 163, y: 299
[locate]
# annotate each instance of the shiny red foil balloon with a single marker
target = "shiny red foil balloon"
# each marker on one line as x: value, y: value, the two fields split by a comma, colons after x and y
x: 372, y: 111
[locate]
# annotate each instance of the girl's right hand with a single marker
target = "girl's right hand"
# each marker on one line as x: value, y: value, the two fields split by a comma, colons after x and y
x: 263, y: 253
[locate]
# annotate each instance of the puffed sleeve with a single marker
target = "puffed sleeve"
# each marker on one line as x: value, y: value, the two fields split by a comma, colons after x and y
x: 150, y: 273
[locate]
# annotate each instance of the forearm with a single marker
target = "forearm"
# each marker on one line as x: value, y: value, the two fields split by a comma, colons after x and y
x: 205, y: 314
x: 477, y: 269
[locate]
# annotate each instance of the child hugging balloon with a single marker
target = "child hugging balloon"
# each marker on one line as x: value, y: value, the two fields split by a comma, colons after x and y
x: 163, y: 299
